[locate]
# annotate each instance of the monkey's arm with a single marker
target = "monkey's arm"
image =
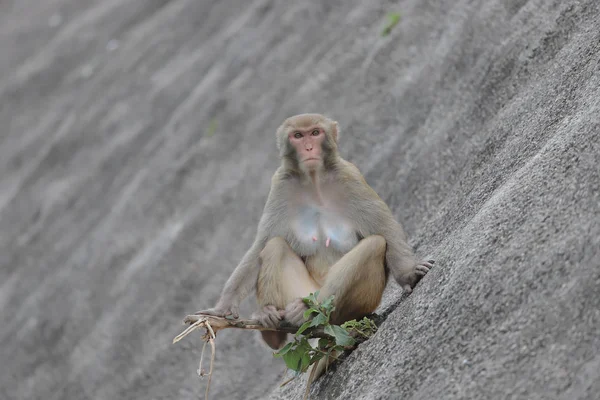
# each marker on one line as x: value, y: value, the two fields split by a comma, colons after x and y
x: 375, y: 218
x: 399, y: 256
x: 243, y: 279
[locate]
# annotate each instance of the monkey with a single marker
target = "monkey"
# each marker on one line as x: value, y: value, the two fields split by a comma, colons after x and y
x: 324, y: 229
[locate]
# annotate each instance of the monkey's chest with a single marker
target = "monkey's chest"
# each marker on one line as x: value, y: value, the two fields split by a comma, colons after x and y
x: 320, y: 232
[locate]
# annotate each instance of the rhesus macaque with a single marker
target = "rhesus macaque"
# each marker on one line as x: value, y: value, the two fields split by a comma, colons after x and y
x: 323, y: 229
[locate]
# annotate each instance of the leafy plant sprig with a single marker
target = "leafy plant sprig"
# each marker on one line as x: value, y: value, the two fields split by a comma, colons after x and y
x: 299, y: 354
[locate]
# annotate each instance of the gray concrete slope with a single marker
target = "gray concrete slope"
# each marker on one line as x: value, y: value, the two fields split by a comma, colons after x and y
x: 136, y: 148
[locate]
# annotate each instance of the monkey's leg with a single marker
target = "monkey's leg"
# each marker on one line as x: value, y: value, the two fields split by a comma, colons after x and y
x: 283, y: 277
x: 357, y: 280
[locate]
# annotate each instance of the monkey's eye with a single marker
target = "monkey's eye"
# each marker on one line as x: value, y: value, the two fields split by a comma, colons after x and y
x: 315, y: 132
x: 297, y: 135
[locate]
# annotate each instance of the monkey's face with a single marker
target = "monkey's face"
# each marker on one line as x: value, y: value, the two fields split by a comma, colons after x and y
x: 308, y: 144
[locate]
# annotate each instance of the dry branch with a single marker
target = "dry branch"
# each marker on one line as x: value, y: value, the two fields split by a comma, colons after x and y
x: 218, y: 323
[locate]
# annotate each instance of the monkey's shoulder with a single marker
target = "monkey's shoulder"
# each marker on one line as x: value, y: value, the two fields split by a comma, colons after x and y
x: 348, y: 170
x: 354, y: 182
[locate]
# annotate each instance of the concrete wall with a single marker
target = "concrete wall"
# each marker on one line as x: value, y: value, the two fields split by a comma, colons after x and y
x: 136, y: 149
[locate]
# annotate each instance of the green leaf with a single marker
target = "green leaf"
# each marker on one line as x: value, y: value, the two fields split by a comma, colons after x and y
x: 311, y: 299
x: 284, y: 349
x: 342, y: 338
x: 304, y: 327
x: 316, y: 357
x: 320, y: 319
x: 393, y: 19
x: 304, y: 362
x: 365, y: 327
x: 324, y: 343
x: 329, y: 330
x: 304, y: 349
x: 310, y: 311
x: 349, y: 324
x: 293, y: 359
x: 328, y: 303
x: 304, y: 344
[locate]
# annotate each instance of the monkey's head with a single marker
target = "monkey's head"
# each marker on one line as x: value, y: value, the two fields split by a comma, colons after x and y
x: 308, y: 142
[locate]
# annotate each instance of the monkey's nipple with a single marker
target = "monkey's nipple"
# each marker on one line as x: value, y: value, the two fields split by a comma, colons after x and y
x: 314, y: 238
x: 327, y: 242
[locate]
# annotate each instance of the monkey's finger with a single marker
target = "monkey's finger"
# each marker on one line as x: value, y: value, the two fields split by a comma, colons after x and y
x: 295, y: 320
x: 291, y: 308
x: 274, y: 320
x: 431, y: 261
x: 292, y: 315
x: 422, y: 268
x: 273, y: 315
x: 266, y: 321
x: 407, y: 288
x: 298, y: 309
x: 425, y: 264
x: 263, y: 318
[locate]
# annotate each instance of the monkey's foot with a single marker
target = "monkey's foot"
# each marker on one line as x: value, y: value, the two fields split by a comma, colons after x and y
x: 419, y: 271
x: 423, y: 267
x: 294, y: 312
x: 269, y: 316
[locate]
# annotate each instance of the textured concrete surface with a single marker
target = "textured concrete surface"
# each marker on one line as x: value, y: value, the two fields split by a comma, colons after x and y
x: 136, y: 148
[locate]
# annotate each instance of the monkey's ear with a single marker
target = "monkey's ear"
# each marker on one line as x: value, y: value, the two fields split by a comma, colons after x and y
x: 335, y: 130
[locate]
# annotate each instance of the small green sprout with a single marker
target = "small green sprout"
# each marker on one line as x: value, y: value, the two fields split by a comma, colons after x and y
x: 212, y: 127
x: 392, y: 20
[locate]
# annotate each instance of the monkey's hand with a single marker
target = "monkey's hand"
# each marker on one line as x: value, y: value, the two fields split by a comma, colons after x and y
x: 294, y: 312
x: 408, y: 279
x: 231, y: 310
x: 269, y: 316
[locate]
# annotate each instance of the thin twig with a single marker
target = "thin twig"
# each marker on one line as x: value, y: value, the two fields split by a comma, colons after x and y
x: 287, y: 381
x: 197, y: 324
x: 313, y: 370
x: 212, y: 332
x: 200, y: 370
x: 211, y: 340
x: 212, y: 362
